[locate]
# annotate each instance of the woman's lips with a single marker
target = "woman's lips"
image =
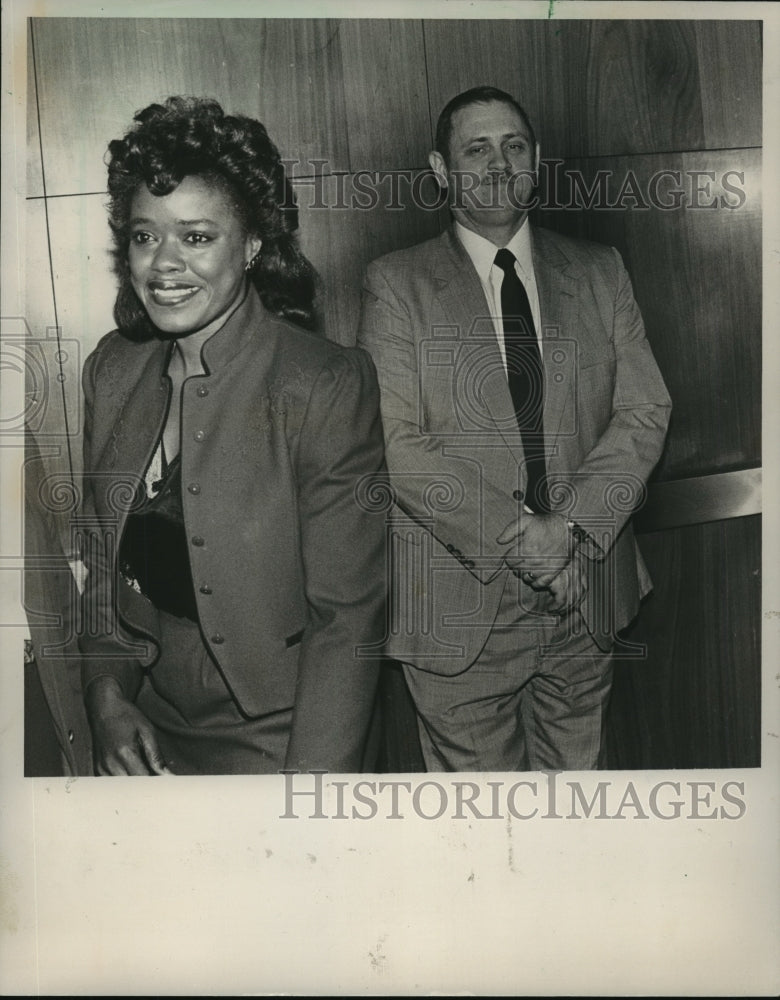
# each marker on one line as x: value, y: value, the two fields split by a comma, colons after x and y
x: 171, y: 293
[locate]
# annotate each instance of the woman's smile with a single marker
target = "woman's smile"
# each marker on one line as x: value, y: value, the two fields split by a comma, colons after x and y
x: 170, y: 293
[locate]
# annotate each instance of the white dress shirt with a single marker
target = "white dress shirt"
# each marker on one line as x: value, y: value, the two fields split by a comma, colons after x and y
x: 483, y: 254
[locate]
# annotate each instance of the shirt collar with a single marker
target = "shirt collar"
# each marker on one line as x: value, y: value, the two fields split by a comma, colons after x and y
x: 483, y: 253
x: 240, y: 328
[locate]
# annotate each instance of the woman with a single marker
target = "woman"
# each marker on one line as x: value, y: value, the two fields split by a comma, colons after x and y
x: 234, y: 575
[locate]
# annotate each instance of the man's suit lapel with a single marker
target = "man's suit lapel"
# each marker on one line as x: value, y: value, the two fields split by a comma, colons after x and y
x: 557, y: 288
x: 458, y: 285
x: 463, y: 299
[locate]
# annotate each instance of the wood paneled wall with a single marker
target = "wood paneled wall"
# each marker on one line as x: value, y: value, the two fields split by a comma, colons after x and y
x: 354, y: 100
x: 695, y: 700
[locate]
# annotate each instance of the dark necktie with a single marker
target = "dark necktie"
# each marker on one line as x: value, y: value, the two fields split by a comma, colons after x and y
x: 526, y: 378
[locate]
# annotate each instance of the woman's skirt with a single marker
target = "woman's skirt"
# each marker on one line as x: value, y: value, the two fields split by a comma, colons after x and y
x: 200, y: 728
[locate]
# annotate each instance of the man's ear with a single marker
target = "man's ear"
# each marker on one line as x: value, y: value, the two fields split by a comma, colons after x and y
x: 439, y: 167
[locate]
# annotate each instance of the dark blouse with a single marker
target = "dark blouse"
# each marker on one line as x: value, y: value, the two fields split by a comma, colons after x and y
x: 153, y: 553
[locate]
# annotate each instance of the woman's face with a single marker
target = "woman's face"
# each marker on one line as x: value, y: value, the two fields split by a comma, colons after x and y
x: 188, y: 250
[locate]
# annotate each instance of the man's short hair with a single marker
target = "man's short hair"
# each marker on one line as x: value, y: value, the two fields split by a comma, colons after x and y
x: 477, y: 95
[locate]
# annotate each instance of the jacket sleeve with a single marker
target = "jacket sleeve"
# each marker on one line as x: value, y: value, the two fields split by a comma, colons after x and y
x: 609, y: 484
x: 104, y: 648
x: 52, y: 603
x: 343, y: 544
x: 435, y: 481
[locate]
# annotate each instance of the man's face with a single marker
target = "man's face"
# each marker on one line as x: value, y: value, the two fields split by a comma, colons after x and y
x: 490, y: 168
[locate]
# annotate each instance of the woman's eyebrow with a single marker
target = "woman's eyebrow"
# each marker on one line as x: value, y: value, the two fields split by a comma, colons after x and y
x: 139, y: 221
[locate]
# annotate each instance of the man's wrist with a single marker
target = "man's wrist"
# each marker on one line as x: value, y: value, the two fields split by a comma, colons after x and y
x: 578, y: 534
x: 583, y: 542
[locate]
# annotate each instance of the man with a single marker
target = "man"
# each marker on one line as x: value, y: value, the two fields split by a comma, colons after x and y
x: 523, y: 412
x: 57, y: 738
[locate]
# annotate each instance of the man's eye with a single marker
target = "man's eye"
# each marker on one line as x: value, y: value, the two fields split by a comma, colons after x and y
x: 476, y: 150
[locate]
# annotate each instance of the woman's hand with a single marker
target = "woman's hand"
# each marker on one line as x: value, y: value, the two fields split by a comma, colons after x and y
x: 123, y: 739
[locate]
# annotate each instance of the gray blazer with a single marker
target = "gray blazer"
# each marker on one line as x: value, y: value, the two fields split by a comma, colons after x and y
x: 454, y: 452
x: 288, y: 566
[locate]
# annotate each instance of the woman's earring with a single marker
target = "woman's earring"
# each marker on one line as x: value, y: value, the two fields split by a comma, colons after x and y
x: 251, y: 263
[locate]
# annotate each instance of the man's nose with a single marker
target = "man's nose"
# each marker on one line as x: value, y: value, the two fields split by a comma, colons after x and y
x: 498, y: 162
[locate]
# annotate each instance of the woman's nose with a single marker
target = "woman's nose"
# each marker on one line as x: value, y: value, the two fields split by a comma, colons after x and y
x: 168, y: 256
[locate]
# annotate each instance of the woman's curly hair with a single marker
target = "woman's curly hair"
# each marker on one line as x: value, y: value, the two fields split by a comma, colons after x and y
x: 189, y: 136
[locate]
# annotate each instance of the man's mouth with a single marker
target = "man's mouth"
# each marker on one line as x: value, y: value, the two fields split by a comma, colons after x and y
x: 171, y: 293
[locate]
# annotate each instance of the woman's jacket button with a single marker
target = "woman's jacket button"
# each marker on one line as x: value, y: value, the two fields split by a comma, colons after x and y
x: 217, y: 639
x: 194, y: 488
x: 197, y: 540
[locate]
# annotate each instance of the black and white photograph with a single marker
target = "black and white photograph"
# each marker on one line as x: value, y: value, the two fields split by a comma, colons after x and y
x: 386, y: 398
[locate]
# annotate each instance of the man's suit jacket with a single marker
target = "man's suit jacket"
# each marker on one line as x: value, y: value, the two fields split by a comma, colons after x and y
x: 287, y: 566
x: 51, y: 602
x: 454, y: 451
